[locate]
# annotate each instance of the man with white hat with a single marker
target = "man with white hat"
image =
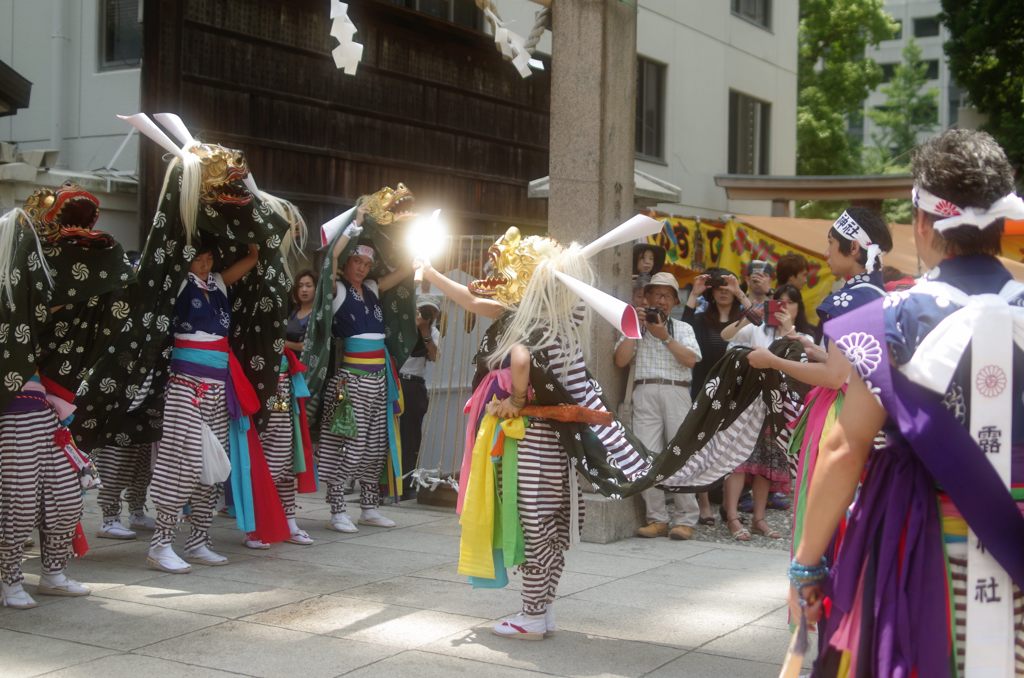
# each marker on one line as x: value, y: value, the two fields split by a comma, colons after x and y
x: 664, y: 359
x: 414, y: 384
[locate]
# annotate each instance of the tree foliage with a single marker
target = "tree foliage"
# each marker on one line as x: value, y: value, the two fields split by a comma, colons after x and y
x: 909, y: 110
x: 834, y: 78
x: 986, y: 57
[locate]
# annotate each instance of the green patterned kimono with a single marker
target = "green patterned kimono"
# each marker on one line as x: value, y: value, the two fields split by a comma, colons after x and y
x: 131, y: 372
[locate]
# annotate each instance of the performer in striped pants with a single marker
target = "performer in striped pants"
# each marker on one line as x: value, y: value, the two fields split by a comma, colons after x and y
x: 540, y: 330
x: 196, y: 394
x: 38, y: 487
x: 544, y: 505
x: 366, y: 384
x: 124, y: 469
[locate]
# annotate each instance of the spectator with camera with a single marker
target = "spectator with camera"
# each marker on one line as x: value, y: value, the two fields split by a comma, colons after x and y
x: 664, y: 358
x: 784, y: 317
x: 718, y: 291
x: 758, y: 286
x: 414, y: 386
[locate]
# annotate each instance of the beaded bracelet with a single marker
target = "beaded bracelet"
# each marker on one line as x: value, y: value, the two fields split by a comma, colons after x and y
x: 807, y: 575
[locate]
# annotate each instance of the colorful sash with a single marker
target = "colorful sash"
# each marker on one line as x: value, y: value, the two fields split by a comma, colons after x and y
x: 369, y: 356
x: 492, y: 534
x: 302, y: 463
x: 256, y: 512
x: 968, y: 476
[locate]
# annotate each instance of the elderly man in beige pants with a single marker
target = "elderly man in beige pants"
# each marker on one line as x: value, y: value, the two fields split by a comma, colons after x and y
x: 663, y: 357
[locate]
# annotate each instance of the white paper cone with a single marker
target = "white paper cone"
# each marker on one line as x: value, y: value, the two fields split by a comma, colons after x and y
x: 176, y: 127
x: 141, y: 122
x: 639, y: 226
x: 331, y: 229
x: 618, y: 313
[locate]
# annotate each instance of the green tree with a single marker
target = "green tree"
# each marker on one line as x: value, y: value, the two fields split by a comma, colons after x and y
x: 986, y: 56
x: 834, y: 78
x: 909, y: 110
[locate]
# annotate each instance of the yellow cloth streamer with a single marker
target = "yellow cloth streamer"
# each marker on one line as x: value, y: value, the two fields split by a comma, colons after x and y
x: 476, y: 552
x: 476, y: 544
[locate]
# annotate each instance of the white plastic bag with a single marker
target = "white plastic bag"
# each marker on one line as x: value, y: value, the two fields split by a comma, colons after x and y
x: 216, y: 465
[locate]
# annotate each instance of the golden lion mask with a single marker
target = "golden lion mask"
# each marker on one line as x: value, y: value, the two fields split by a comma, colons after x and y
x: 389, y: 205
x: 513, y: 259
x: 223, y: 170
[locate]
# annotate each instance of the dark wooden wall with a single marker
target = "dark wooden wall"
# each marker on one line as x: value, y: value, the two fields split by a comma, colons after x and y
x: 432, y: 105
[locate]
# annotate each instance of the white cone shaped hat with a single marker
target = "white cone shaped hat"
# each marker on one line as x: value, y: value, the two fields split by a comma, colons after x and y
x: 176, y: 127
x: 639, y: 226
x: 141, y: 122
x: 620, y: 314
x: 331, y: 229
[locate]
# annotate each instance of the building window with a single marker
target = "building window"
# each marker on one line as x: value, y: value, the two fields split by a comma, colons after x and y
x: 898, y: 33
x: 755, y: 11
x: 121, y: 34
x: 460, y: 12
x: 887, y: 71
x: 650, y: 109
x: 933, y: 69
x: 926, y: 27
x: 749, y: 125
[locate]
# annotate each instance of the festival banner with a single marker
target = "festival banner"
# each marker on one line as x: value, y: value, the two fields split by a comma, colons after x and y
x: 694, y: 244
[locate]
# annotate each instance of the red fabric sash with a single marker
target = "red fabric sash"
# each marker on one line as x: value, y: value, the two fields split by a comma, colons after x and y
x: 79, y: 544
x: 271, y: 523
x: 56, y: 389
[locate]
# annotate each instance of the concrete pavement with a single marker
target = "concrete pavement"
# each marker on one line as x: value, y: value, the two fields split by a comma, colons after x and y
x: 390, y: 603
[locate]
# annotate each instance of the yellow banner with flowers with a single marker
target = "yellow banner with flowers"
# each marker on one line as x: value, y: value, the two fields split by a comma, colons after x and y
x: 693, y: 245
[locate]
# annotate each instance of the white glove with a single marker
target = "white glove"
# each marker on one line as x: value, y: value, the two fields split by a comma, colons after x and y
x: 353, y: 230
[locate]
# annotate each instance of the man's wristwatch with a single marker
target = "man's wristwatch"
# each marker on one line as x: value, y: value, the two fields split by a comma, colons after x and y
x: 666, y: 341
x: 426, y: 338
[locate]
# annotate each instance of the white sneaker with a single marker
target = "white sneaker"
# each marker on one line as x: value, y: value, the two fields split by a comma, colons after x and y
x: 164, y: 558
x: 113, y: 528
x: 59, y: 584
x: 204, y: 556
x: 15, y: 596
x: 522, y: 627
x: 340, y: 522
x: 255, y: 544
x: 140, y: 521
x: 375, y: 518
x: 549, y: 621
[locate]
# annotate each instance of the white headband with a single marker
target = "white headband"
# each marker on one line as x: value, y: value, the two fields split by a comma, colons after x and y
x: 363, y: 251
x: 848, y: 227
x: 1010, y: 206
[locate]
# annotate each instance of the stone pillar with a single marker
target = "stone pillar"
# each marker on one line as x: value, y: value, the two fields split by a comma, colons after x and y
x: 592, y: 147
x: 592, y: 158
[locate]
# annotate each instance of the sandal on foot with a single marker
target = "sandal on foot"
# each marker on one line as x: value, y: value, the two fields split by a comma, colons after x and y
x: 706, y: 520
x: 762, y: 528
x: 739, y: 534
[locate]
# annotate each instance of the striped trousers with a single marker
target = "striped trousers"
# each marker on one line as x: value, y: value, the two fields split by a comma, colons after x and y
x: 179, y: 458
x: 362, y: 457
x: 544, y: 512
x: 123, y: 470
x: 38, y: 487
x: 278, y: 445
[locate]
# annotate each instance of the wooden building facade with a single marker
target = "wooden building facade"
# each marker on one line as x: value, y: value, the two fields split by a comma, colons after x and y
x: 432, y: 105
